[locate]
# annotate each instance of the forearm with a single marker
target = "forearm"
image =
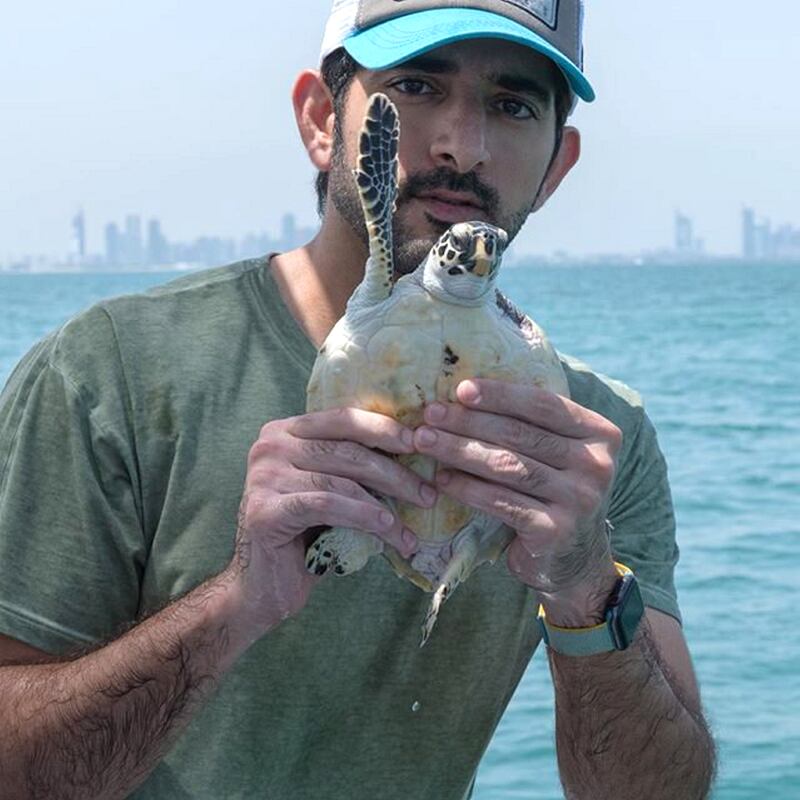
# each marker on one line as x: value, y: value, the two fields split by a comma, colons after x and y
x: 623, y: 732
x: 95, y: 727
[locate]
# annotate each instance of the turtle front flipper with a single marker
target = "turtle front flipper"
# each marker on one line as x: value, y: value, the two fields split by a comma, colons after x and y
x: 343, y: 550
x: 376, y: 176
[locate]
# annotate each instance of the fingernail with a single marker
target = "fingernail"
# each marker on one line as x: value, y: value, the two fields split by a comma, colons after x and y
x: 469, y: 392
x: 407, y: 438
x: 386, y: 519
x: 428, y: 494
x: 426, y: 437
x: 409, y: 540
x: 443, y: 477
x: 435, y: 412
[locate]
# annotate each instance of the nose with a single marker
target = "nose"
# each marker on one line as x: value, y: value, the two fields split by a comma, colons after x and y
x: 460, y: 142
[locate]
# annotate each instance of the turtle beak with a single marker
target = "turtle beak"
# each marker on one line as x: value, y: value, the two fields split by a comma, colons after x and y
x: 483, y: 261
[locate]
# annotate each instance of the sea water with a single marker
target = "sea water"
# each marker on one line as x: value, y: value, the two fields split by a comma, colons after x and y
x: 714, y: 350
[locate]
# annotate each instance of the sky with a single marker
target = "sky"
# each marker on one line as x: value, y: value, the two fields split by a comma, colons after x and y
x: 181, y: 111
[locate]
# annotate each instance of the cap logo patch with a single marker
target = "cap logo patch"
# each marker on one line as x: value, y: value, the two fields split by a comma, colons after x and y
x: 544, y: 10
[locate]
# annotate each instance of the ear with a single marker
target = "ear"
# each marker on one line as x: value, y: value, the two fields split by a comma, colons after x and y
x: 313, y: 112
x: 567, y: 156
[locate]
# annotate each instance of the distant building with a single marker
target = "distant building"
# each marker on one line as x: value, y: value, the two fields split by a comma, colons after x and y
x: 683, y: 233
x: 288, y: 228
x: 79, y: 238
x: 158, y: 254
x: 760, y: 242
x: 133, y: 247
x: 685, y: 242
x: 113, y: 245
x: 749, y: 235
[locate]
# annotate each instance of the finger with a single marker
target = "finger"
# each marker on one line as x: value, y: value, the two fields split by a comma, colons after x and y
x: 526, y: 515
x: 373, y: 430
x: 531, y: 404
x: 493, y: 464
x: 292, y: 481
x: 351, y: 460
x: 290, y: 515
x: 507, y: 432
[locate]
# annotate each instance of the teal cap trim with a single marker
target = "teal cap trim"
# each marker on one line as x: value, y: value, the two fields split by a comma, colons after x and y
x: 396, y: 40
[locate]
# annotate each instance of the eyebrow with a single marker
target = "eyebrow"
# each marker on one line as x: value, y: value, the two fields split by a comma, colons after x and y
x: 432, y: 64
x: 511, y: 82
x: 523, y: 85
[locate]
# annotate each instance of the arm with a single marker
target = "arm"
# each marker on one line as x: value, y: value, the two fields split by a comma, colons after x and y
x: 629, y: 723
x: 97, y: 725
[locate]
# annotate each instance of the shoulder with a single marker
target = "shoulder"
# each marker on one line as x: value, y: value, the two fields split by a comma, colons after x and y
x: 190, y: 295
x: 607, y: 396
x: 619, y: 403
x: 163, y: 318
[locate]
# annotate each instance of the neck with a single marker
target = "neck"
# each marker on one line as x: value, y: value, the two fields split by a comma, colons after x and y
x: 433, y: 285
x: 316, y: 280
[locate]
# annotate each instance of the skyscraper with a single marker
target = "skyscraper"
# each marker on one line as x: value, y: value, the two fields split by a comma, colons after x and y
x: 113, y: 245
x: 684, y: 236
x: 79, y: 237
x: 157, y: 245
x: 749, y: 234
x: 134, y: 248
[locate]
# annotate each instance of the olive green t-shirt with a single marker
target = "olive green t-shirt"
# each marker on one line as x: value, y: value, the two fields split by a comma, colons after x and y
x: 123, y: 444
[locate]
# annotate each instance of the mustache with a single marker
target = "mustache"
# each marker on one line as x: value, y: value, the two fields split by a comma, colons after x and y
x: 443, y: 178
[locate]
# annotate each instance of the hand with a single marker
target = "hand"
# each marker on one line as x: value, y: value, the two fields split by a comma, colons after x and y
x: 310, y: 471
x: 542, y: 464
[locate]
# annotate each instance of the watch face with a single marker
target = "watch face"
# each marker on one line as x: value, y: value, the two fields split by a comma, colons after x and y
x: 626, y: 615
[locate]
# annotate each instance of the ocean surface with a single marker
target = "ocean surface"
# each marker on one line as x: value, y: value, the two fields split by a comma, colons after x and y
x: 715, y: 351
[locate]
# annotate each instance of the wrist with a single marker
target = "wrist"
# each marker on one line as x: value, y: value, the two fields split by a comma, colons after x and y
x: 226, y: 609
x: 583, y: 604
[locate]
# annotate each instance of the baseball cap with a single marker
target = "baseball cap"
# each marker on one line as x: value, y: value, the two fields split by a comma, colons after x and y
x: 379, y: 34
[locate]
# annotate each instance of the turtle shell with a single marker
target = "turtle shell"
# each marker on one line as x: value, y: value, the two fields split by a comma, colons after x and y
x: 412, y: 349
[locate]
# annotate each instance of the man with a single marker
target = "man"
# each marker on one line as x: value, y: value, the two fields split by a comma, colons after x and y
x: 127, y: 435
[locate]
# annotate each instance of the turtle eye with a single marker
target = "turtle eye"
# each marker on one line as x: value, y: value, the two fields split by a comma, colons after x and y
x: 461, y: 239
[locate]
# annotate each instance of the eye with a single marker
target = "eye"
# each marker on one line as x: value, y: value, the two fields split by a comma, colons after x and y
x: 517, y: 109
x: 414, y: 86
x: 461, y: 240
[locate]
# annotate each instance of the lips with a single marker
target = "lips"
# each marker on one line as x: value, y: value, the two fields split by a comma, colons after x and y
x: 452, y: 207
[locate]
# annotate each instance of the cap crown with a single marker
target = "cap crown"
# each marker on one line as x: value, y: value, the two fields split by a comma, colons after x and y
x: 559, y: 22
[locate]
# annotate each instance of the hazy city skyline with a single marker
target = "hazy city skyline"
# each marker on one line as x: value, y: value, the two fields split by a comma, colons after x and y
x: 187, y: 114
x: 131, y: 245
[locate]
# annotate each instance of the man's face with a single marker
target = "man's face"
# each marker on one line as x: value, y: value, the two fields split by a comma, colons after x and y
x: 477, y: 133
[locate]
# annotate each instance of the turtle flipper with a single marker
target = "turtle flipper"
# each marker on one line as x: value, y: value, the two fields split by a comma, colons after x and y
x: 343, y: 550
x: 483, y: 539
x: 376, y: 176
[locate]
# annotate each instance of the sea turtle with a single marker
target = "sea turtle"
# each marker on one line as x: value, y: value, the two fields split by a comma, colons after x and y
x: 404, y: 344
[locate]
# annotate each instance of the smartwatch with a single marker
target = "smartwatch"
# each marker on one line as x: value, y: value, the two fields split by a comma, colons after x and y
x: 622, y: 617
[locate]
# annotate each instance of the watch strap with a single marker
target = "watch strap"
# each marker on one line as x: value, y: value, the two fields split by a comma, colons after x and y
x: 581, y: 641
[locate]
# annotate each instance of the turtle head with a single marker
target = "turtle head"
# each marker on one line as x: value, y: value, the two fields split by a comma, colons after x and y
x: 465, y: 261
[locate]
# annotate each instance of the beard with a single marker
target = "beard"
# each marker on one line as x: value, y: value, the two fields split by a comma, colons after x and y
x: 410, y: 250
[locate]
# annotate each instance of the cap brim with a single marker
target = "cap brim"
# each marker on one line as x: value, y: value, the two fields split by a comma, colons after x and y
x: 396, y: 40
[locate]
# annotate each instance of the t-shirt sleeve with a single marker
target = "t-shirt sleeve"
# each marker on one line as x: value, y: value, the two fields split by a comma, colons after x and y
x: 643, y: 519
x: 71, y: 543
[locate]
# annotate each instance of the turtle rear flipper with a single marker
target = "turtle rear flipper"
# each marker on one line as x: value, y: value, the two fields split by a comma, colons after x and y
x: 376, y: 177
x: 483, y: 539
